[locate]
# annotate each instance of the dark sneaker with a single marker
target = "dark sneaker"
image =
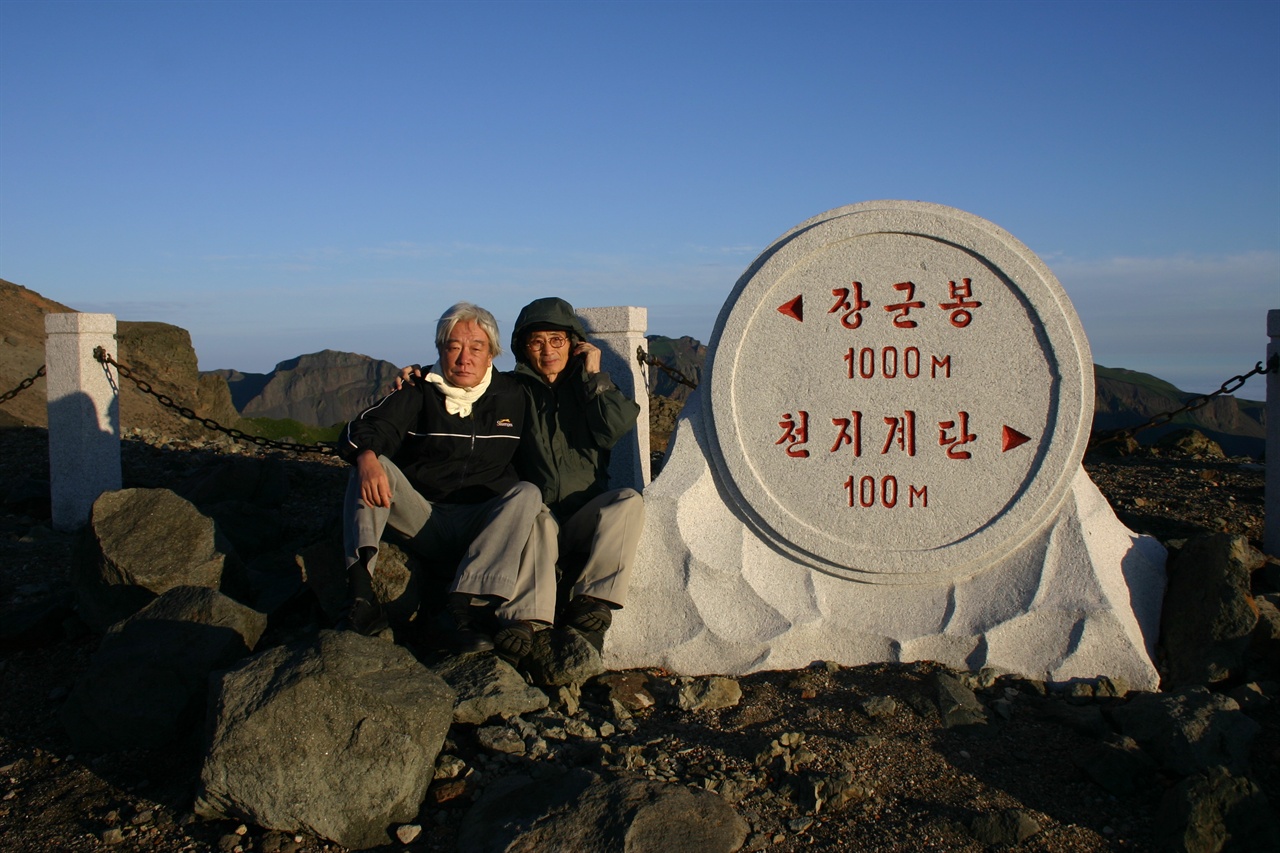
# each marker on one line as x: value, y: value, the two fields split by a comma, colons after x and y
x: 514, y: 641
x: 364, y: 617
x: 588, y: 615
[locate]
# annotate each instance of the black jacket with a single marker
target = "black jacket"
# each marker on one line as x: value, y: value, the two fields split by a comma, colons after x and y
x: 449, y: 459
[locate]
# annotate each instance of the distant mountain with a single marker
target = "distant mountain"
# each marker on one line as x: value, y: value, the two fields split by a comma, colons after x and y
x: 319, y: 389
x: 1125, y: 398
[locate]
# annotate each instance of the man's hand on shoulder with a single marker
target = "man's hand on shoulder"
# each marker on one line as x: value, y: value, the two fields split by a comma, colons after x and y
x: 408, y: 376
x: 375, y: 488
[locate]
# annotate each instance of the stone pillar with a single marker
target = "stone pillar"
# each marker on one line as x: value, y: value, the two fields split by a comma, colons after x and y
x: 84, y: 414
x: 1271, y: 536
x: 619, y: 332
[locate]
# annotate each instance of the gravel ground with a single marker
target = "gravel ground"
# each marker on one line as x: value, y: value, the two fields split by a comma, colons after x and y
x: 920, y: 785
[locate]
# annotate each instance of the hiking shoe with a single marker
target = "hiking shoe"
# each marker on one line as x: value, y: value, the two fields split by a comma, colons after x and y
x: 514, y: 641
x: 364, y: 617
x: 468, y: 635
x: 588, y: 615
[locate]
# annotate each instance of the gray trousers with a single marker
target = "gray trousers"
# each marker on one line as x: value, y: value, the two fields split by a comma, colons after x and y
x: 607, y: 529
x: 493, y: 536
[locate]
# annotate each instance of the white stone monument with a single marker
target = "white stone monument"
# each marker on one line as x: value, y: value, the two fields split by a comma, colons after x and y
x: 883, y: 464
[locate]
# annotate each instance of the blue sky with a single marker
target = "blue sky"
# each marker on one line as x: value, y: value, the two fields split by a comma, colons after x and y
x: 285, y: 177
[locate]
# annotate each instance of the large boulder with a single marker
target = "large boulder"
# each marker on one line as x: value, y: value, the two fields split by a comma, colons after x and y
x: 161, y: 354
x: 140, y: 543
x: 1214, y: 811
x: 1209, y: 616
x: 1188, y: 731
x: 580, y: 810
x: 145, y: 686
x: 336, y: 736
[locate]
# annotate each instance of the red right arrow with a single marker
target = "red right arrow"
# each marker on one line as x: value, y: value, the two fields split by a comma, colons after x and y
x: 1012, y: 438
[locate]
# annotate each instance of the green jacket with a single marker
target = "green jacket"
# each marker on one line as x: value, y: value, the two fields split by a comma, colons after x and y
x: 571, y: 426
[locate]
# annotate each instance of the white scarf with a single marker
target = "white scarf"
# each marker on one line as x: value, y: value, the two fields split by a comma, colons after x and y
x: 458, y: 401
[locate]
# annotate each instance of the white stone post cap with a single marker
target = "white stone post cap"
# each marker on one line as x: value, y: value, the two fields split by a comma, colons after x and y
x: 79, y: 324
x: 615, y: 319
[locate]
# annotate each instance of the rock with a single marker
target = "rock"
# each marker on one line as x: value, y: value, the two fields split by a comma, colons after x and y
x: 560, y: 658
x: 1004, y: 828
x: 35, y: 624
x: 1190, y: 442
x: 141, y: 542
x: 30, y: 497
x: 396, y: 579
x: 145, y: 686
x: 1188, y: 731
x: 1208, y: 616
x: 879, y: 706
x: 1213, y: 811
x: 488, y: 687
x: 709, y: 693
x: 630, y: 690
x: 835, y: 791
x: 579, y: 810
x: 336, y: 736
x: 1252, y: 697
x: 1085, y: 719
x: 1265, y: 645
x: 1119, y: 765
x: 957, y: 704
x: 500, y: 740
x: 261, y: 482
x: 408, y: 833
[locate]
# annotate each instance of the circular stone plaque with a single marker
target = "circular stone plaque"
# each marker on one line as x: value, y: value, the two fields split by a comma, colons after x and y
x: 899, y: 392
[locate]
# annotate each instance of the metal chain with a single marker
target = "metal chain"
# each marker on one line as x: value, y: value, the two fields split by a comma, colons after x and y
x: 165, y: 400
x: 22, y: 386
x: 652, y: 361
x: 1232, y: 384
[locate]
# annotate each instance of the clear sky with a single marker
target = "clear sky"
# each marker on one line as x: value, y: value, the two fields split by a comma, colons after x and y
x: 285, y: 177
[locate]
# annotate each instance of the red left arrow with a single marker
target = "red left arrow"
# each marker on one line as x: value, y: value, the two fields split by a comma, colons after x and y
x: 793, y: 309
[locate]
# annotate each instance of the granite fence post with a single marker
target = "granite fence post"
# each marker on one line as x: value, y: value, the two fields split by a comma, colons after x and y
x: 84, y: 415
x: 1271, y: 510
x: 619, y: 332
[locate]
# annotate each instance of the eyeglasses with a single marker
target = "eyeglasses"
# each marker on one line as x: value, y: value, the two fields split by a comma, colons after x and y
x: 553, y: 341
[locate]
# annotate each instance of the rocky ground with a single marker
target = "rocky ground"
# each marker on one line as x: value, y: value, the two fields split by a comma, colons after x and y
x: 909, y: 782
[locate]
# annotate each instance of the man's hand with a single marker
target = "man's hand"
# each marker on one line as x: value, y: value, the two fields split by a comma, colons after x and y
x: 375, y: 488
x: 590, y: 357
x: 408, y: 376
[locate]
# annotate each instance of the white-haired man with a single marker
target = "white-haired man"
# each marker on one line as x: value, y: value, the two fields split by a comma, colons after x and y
x: 434, y: 461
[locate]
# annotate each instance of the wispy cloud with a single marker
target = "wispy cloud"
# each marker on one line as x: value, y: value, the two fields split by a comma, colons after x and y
x: 1195, y: 320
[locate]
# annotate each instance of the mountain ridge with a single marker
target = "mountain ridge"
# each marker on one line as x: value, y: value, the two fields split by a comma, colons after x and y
x: 329, y: 387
